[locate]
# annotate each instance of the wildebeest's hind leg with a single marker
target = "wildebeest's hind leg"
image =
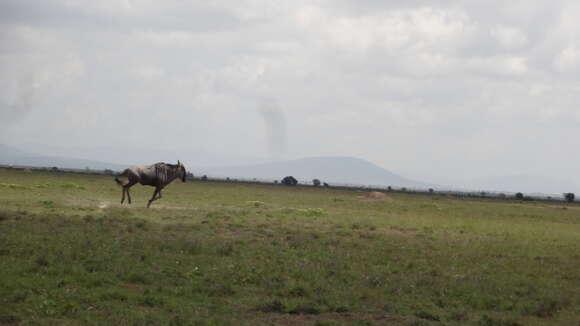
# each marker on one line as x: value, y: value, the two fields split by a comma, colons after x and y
x: 157, y: 190
x: 126, y: 189
x: 123, y: 198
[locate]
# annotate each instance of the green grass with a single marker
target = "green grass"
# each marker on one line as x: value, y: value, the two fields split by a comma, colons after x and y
x: 238, y: 254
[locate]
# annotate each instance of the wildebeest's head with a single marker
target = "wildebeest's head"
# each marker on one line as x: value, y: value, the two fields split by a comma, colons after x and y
x: 181, y: 170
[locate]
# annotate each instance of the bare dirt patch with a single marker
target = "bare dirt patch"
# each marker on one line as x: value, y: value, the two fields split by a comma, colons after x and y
x: 375, y: 196
x: 377, y: 318
x: 171, y: 207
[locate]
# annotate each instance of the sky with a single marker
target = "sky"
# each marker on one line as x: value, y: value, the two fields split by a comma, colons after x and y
x: 432, y: 90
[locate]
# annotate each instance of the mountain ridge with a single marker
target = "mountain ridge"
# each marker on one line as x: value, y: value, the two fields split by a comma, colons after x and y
x: 332, y: 169
x: 12, y: 156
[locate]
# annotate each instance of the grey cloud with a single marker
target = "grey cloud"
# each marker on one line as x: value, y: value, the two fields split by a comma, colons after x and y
x: 209, y: 76
x: 169, y: 16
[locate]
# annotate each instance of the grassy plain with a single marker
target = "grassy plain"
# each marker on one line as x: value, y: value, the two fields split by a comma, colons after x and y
x: 241, y: 254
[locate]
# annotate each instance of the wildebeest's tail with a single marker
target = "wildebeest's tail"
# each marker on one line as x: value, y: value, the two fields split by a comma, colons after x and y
x: 123, y: 174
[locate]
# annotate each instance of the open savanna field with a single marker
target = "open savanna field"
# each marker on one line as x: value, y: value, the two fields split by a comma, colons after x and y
x: 245, y: 254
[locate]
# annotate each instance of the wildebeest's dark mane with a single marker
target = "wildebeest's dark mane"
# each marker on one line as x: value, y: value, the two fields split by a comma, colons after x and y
x: 170, y: 165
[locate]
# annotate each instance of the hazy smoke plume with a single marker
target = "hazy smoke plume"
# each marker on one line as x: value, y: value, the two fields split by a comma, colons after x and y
x: 21, y: 103
x: 275, y: 126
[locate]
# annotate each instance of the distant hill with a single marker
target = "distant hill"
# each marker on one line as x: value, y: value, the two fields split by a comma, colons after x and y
x: 334, y: 170
x: 12, y: 156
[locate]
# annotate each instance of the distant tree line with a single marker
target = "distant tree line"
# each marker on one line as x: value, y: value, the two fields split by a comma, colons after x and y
x: 292, y: 181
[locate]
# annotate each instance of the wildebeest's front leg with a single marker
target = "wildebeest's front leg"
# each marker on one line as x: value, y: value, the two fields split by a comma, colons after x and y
x: 157, y: 190
x: 128, y: 196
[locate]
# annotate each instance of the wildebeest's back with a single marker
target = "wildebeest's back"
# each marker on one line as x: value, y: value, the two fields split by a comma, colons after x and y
x: 146, y: 174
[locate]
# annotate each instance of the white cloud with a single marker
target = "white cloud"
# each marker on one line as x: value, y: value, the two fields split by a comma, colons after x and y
x: 567, y: 59
x: 509, y: 37
x: 539, y: 89
x: 149, y: 73
x: 422, y: 28
x: 509, y: 66
x: 179, y: 39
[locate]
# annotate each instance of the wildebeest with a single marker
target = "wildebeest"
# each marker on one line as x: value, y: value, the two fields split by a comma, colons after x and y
x: 158, y: 175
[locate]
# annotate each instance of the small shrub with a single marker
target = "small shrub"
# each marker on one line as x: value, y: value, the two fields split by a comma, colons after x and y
x: 47, y: 203
x: 41, y: 261
x: 341, y: 309
x: 179, y: 321
x: 316, y: 182
x: 375, y: 281
x: 113, y: 296
x: 151, y: 301
x: 419, y: 323
x: 327, y: 323
x: 71, y: 185
x: 3, y: 216
x: 312, y: 212
x: 569, y: 196
x: 427, y: 316
x: 545, y: 309
x: 488, y: 321
x: 519, y: 196
x: 221, y: 290
x: 191, y: 247
x: 298, y: 291
x: 459, y: 316
x: 136, y: 278
x: 273, y: 306
x: 256, y: 203
x: 305, y: 309
x: 226, y: 250
x: 12, y: 186
x: 9, y: 319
